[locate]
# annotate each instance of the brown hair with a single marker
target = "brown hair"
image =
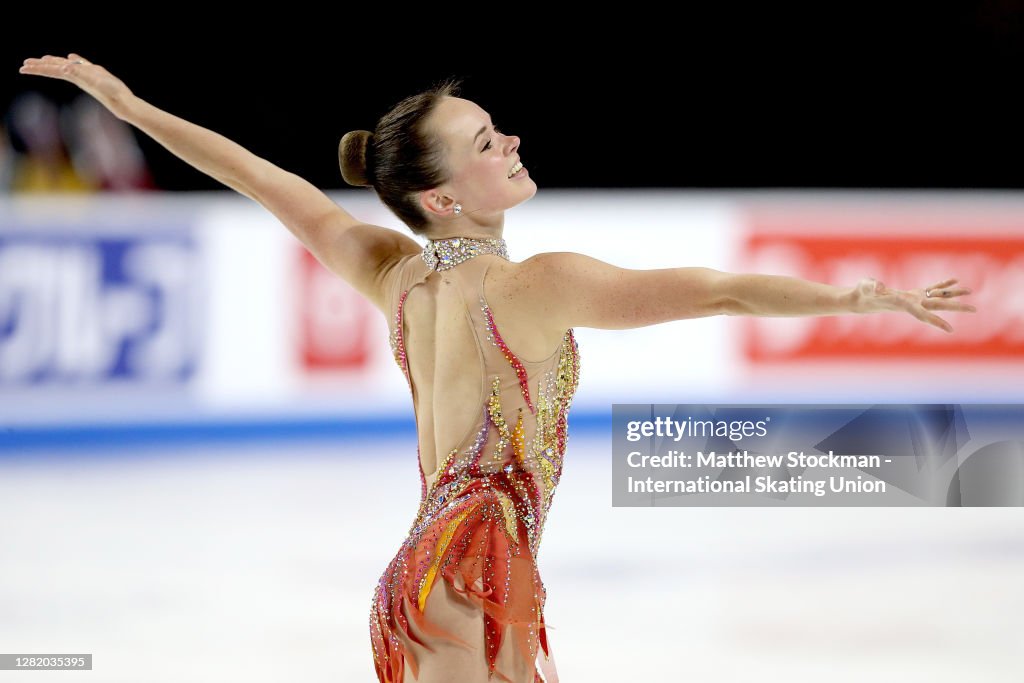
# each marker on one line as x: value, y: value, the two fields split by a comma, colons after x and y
x: 399, y: 158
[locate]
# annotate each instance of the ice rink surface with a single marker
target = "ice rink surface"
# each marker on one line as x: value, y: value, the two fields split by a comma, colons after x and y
x: 257, y: 562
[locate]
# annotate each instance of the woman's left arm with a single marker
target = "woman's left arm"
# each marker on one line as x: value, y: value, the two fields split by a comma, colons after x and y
x: 360, y: 253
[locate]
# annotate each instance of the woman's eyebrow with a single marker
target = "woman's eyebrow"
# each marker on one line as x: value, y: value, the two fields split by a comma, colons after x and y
x: 479, y: 133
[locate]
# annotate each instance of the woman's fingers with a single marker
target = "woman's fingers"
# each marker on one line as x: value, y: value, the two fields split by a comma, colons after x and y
x: 108, y: 90
x: 919, y: 303
x: 920, y: 309
x: 52, y: 60
x: 933, y: 319
x: 49, y: 65
x: 943, y: 305
x: 939, y: 292
x: 46, y: 66
x: 947, y: 292
x: 944, y: 283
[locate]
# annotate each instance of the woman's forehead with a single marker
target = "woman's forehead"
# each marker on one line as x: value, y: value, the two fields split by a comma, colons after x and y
x: 459, y: 120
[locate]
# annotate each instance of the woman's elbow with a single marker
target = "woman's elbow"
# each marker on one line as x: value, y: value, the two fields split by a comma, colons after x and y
x: 706, y: 292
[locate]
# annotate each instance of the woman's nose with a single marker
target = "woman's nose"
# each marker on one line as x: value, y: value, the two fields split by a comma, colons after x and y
x: 511, y: 143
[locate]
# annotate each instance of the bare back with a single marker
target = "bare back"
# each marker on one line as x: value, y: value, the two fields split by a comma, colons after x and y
x: 491, y: 389
x: 461, y: 332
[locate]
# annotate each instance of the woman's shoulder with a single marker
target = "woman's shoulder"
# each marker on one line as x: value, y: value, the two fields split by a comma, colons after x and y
x: 530, y: 289
x: 568, y: 289
x: 542, y: 270
x: 371, y: 258
x: 522, y: 308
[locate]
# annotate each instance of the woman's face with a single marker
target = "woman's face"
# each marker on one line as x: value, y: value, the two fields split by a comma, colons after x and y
x: 481, y: 159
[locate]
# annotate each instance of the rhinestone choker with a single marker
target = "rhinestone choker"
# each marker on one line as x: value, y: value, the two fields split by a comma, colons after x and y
x: 448, y: 253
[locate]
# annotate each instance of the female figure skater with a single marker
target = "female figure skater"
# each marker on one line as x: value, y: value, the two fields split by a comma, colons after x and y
x: 486, y: 346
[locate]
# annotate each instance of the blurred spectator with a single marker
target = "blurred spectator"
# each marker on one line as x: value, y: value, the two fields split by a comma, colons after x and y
x: 104, y: 150
x: 6, y: 161
x: 44, y: 165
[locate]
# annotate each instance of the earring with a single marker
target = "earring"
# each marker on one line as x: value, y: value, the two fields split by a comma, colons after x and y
x: 457, y: 209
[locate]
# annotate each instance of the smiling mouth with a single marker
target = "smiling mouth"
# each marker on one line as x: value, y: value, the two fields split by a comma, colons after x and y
x: 516, y: 169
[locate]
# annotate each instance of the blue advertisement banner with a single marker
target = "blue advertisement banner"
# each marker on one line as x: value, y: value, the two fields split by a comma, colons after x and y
x: 93, y: 309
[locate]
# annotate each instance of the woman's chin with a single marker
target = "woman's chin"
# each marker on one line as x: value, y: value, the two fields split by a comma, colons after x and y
x: 531, y: 190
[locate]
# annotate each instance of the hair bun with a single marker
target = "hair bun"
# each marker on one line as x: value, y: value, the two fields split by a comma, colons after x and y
x: 352, y: 157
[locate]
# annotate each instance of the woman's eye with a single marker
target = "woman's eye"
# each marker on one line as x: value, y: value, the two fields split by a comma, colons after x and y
x: 488, y: 145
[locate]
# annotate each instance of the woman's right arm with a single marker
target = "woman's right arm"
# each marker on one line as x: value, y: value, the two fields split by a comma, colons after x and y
x: 574, y: 290
x: 357, y: 252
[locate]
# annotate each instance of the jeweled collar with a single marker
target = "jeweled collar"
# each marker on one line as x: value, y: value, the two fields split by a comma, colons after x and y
x: 450, y: 252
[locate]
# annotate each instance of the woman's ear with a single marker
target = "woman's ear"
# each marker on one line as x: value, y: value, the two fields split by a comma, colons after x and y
x: 437, y: 203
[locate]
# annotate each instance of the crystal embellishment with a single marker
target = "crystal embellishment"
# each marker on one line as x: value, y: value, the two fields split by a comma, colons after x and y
x: 448, y: 253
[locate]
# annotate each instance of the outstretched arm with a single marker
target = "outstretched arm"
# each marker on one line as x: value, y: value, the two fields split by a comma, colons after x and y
x: 359, y: 253
x: 592, y: 293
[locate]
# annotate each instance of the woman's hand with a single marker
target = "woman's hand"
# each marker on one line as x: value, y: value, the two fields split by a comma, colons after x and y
x: 92, y: 78
x: 872, y: 296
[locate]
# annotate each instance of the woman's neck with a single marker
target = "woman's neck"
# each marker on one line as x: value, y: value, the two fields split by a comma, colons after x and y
x: 465, y: 227
x: 445, y: 253
x: 468, y: 235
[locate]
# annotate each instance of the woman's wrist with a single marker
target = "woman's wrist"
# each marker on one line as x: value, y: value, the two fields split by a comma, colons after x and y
x: 864, y: 297
x: 125, y: 106
x: 853, y: 300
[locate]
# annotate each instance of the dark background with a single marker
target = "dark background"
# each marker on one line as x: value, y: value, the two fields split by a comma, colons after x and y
x: 848, y: 97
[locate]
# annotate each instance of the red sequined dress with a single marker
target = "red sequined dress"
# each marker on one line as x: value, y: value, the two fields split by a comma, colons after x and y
x: 481, y: 514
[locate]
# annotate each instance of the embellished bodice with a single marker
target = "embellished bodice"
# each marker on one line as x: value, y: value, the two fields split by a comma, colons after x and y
x: 492, y: 428
x: 514, y: 453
